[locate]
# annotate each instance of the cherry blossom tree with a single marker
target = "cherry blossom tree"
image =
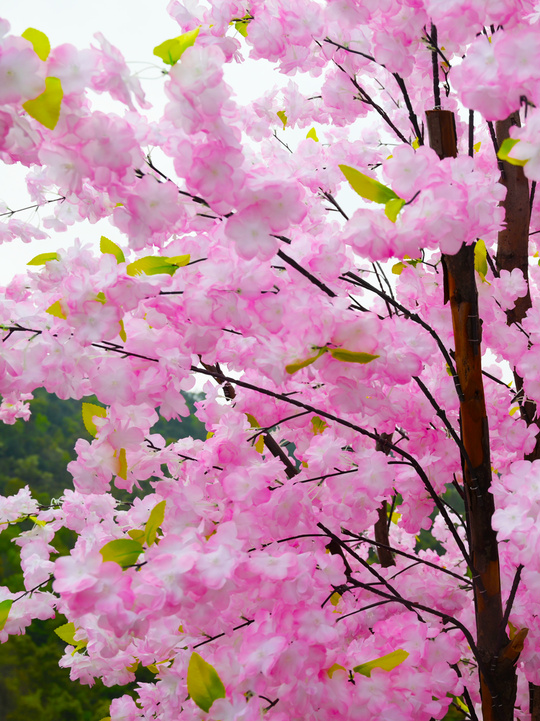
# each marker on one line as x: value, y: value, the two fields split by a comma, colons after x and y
x: 371, y: 360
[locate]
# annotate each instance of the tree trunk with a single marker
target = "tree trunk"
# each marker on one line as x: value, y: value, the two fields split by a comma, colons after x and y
x: 513, y: 252
x: 386, y: 559
x: 496, y: 654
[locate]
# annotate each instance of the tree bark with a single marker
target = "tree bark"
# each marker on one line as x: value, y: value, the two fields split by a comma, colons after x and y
x: 497, y: 654
x: 513, y: 252
x: 386, y: 559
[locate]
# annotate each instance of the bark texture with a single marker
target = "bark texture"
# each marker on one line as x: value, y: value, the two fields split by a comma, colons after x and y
x: 497, y: 655
x: 513, y: 252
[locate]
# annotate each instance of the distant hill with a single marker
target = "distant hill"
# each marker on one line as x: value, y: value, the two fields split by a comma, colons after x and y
x: 36, y: 453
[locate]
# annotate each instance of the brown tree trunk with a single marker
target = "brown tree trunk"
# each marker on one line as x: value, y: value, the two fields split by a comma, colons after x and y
x: 513, y: 252
x: 496, y: 653
x: 386, y: 559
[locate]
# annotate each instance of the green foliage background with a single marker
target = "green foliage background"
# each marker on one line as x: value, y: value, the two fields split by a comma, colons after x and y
x: 36, y: 453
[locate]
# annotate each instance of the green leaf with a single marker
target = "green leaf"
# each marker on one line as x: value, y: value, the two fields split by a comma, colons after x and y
x: 40, y: 42
x: 122, y: 464
x: 123, y: 551
x: 351, y: 356
x: 480, y: 258
x: 170, y: 51
x: 387, y: 663
x: 5, y: 608
x: 242, y: 27
x: 37, y: 521
x: 318, y: 425
x: 154, y: 521
x: 313, y: 135
x: 89, y: 410
x: 294, y: 367
x: 335, y: 667
x: 67, y: 634
x: 462, y: 706
x: 46, y: 107
x: 107, y: 246
x: 122, y: 331
x: 203, y: 683
x: 56, y: 310
x: 281, y: 115
x: 252, y: 421
x: 137, y: 534
x: 43, y: 258
x: 367, y: 187
x: 101, y: 297
x: 154, y: 265
x: 393, y: 208
x: 506, y: 147
x: 397, y: 269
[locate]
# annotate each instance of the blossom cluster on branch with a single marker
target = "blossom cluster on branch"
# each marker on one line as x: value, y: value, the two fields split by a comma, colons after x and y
x: 250, y: 576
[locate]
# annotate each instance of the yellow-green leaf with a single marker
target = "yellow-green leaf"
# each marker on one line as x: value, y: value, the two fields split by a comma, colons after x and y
x: 40, y: 42
x: 416, y: 144
x: 46, y: 107
x: 101, y: 297
x: 5, y: 608
x: 294, y: 367
x: 259, y: 445
x: 335, y: 598
x: 179, y: 260
x: 480, y: 258
x: 397, y: 269
x: 89, y: 411
x: 281, y: 115
x: 252, y: 421
x: 56, y: 310
x: 203, y: 683
x: 335, y: 667
x: 123, y: 551
x: 506, y: 147
x: 367, y: 187
x: 107, y: 246
x: 318, y: 425
x: 351, y: 356
x: 462, y: 706
x: 387, y: 663
x: 477, y: 146
x: 170, y: 51
x: 137, y: 534
x: 133, y: 666
x: 122, y: 464
x: 37, y: 521
x: 122, y: 331
x: 43, y: 258
x: 393, y: 208
x: 154, y: 265
x: 242, y: 27
x: 313, y: 135
x: 157, y: 514
x: 67, y: 634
